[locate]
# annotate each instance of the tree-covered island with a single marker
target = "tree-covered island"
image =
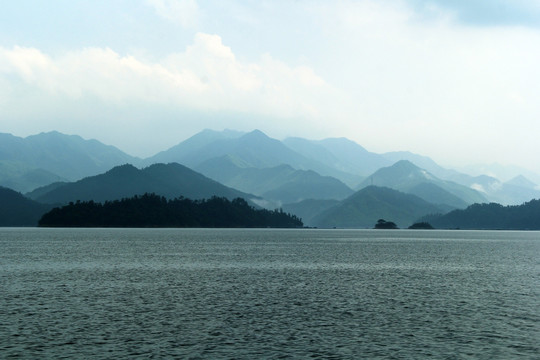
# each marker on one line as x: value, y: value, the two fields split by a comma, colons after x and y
x: 150, y: 210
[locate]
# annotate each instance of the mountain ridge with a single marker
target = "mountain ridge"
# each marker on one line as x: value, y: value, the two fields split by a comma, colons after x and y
x: 366, y: 206
x: 170, y: 180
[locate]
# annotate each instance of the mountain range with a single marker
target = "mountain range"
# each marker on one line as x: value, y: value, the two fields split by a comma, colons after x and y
x: 365, y: 207
x: 168, y: 180
x: 316, y: 180
x: 490, y: 217
x: 37, y: 160
x: 17, y: 210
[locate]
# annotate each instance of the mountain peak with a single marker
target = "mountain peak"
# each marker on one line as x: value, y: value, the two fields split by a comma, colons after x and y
x: 255, y: 134
x: 521, y: 181
x: 122, y: 169
x: 405, y: 165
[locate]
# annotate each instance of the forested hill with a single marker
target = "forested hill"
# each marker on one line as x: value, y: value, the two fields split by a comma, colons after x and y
x: 151, y: 210
x: 490, y: 216
x: 16, y: 210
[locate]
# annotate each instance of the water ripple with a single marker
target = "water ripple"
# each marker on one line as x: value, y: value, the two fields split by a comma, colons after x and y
x: 214, y: 294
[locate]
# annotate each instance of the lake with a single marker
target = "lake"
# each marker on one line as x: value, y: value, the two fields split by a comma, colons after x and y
x: 252, y: 294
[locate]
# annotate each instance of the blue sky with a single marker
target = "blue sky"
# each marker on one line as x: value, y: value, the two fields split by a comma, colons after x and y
x: 454, y: 80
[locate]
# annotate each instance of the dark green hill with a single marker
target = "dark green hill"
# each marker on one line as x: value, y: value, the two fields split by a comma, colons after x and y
x: 169, y: 180
x: 372, y: 203
x: 16, y: 210
x: 281, y: 184
x: 43, y: 190
x: 406, y: 176
x: 490, y: 216
x: 150, y: 210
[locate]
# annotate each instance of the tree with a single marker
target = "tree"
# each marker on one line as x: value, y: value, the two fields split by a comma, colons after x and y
x: 383, y: 224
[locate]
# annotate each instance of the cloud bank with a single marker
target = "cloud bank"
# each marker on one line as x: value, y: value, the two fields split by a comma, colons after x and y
x: 207, y: 76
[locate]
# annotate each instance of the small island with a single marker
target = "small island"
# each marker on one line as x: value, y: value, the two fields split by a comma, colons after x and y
x: 421, y: 226
x: 151, y: 210
x: 383, y: 224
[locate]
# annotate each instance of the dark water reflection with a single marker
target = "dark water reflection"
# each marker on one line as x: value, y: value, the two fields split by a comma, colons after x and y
x: 269, y: 294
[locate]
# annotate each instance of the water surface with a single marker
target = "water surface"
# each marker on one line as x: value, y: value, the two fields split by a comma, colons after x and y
x: 197, y: 293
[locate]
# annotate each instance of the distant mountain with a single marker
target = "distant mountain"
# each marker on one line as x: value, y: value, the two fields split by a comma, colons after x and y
x: 16, y: 210
x: 422, y: 162
x: 254, y: 149
x: 24, y: 178
x: 170, y: 180
x: 40, y: 159
x: 522, y: 182
x: 340, y: 154
x: 43, y: 190
x: 502, y: 172
x: 281, y: 184
x: 434, y: 194
x: 406, y: 176
x: 30, y: 163
x: 513, y: 193
x: 309, y: 209
x: 490, y: 216
x: 180, y: 153
x: 365, y: 207
x: 489, y: 186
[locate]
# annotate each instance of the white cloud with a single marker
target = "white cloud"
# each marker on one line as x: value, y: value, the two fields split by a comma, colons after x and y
x: 207, y: 76
x: 182, y: 12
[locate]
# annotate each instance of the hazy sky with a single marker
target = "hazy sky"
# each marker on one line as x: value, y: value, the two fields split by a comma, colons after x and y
x: 456, y: 80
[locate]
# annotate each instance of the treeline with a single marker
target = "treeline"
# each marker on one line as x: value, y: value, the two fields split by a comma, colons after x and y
x: 490, y: 216
x: 150, y: 210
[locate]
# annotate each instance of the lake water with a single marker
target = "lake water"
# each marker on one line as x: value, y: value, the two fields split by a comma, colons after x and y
x: 252, y: 294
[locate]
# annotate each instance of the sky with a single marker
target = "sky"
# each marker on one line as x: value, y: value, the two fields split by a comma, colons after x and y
x: 455, y: 80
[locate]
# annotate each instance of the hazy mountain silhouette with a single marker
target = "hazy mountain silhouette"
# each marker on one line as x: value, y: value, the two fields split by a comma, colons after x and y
x: 309, y: 209
x: 253, y: 149
x: 406, y: 176
x: 522, y: 182
x: 169, y: 180
x: 514, y: 192
x: 281, y: 184
x: 502, y: 172
x: 22, y: 178
x: 490, y: 187
x: 341, y: 154
x: 41, y: 159
x: 365, y: 207
x: 434, y: 194
x: 181, y: 153
x: 422, y: 162
x: 17, y: 210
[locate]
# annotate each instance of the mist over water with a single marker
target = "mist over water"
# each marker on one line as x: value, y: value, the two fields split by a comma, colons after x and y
x: 109, y: 293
